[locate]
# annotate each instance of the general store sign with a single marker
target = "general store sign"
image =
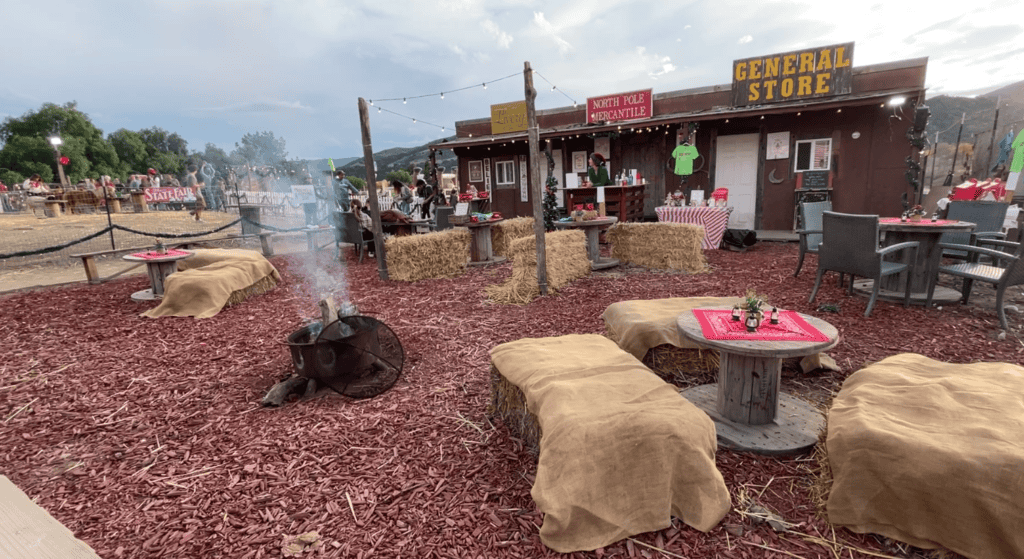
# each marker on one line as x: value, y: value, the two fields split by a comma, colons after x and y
x: 802, y: 74
x: 621, y: 106
x: 508, y: 117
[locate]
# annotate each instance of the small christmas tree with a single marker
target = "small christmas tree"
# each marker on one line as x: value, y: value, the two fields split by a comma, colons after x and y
x: 550, y: 204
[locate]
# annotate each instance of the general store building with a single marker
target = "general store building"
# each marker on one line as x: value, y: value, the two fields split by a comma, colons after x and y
x: 792, y: 126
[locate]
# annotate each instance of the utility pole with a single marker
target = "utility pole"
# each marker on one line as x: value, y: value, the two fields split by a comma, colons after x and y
x: 992, y: 141
x: 533, y: 136
x: 371, y: 185
x: 956, y: 150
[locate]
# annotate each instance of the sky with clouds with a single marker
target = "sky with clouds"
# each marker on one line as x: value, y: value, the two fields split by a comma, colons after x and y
x: 214, y: 70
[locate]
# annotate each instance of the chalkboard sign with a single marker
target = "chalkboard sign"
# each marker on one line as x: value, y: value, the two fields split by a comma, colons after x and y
x: 814, y: 179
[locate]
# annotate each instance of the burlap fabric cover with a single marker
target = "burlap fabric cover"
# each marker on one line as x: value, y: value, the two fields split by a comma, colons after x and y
x: 931, y: 454
x: 202, y: 292
x: 640, y: 325
x: 620, y: 452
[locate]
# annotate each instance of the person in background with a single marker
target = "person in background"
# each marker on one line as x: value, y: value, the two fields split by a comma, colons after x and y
x: 4, y: 202
x: 135, y: 183
x: 365, y: 223
x: 154, y: 179
x: 35, y: 186
x: 424, y: 191
x: 403, y: 196
x: 192, y: 184
x: 342, y: 189
x: 200, y: 200
x: 598, y: 173
x: 208, y: 172
x: 218, y: 195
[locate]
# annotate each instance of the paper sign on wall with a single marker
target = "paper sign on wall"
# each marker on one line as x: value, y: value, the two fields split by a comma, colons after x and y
x: 303, y: 194
x: 462, y: 208
x: 524, y: 189
x: 603, y: 145
x: 572, y: 180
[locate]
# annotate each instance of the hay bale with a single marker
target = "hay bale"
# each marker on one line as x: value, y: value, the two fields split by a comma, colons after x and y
x: 504, y: 232
x: 666, y: 246
x: 682, y: 367
x: 566, y: 255
x: 508, y: 404
x: 441, y: 254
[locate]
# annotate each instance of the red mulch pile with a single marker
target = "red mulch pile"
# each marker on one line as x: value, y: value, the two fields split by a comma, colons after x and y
x: 145, y: 437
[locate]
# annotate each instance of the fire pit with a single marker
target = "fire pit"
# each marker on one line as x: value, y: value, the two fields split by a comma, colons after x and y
x: 358, y: 356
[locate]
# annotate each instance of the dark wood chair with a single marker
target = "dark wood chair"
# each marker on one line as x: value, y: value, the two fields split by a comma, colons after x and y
x: 1004, y: 270
x: 850, y: 246
x: 810, y: 231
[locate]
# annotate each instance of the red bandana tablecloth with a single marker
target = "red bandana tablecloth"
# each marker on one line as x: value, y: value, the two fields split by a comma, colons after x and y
x: 152, y: 255
x: 719, y: 325
x: 924, y: 221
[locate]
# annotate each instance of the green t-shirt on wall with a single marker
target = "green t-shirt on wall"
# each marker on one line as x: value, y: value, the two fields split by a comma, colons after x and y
x: 685, y: 154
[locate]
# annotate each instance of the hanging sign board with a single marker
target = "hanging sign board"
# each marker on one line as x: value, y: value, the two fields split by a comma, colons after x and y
x: 788, y: 76
x: 303, y: 194
x: 814, y: 180
x: 508, y: 117
x: 621, y: 106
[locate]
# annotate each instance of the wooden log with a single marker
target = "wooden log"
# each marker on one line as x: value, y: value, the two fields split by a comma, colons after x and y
x: 277, y: 394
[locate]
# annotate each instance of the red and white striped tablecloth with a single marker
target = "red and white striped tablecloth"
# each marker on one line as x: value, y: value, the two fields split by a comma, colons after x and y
x: 714, y: 220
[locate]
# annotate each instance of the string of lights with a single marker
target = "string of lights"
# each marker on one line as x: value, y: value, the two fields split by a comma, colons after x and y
x: 483, y: 85
x: 554, y: 88
x: 415, y: 120
x: 441, y: 95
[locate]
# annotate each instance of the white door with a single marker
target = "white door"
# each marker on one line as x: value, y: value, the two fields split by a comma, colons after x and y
x: 736, y: 169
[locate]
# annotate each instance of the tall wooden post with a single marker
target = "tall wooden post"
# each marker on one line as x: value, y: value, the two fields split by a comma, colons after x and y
x: 371, y: 183
x: 533, y: 135
x: 992, y: 141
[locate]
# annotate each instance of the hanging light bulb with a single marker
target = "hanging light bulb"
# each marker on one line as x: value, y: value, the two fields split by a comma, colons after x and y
x: 414, y: 120
x: 371, y: 102
x: 403, y: 101
x: 574, y: 104
x: 552, y: 88
x: 442, y: 95
x: 378, y: 109
x: 442, y: 129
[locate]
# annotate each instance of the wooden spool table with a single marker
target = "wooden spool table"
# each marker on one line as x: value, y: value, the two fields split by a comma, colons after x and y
x: 481, y: 252
x: 746, y: 404
x: 158, y: 269
x: 592, y: 229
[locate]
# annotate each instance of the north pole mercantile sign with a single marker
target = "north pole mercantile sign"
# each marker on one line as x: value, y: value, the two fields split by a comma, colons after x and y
x: 634, y: 105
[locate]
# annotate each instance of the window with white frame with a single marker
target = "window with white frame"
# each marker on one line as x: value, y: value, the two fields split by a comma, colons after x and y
x: 813, y: 155
x: 505, y: 172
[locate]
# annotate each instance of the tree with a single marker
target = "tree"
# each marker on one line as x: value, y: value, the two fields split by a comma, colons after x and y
x: 131, y: 150
x: 259, y: 148
x: 165, y: 151
x: 357, y: 182
x: 27, y: 149
x: 399, y: 175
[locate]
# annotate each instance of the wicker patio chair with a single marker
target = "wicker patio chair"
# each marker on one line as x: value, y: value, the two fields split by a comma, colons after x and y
x: 988, y: 218
x: 810, y: 234
x: 850, y: 246
x: 351, y: 233
x: 1004, y: 271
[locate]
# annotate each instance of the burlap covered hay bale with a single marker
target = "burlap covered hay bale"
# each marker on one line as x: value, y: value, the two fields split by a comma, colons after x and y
x: 566, y: 255
x: 508, y: 404
x: 682, y: 367
x: 665, y: 246
x: 504, y: 232
x: 441, y: 254
x: 930, y: 453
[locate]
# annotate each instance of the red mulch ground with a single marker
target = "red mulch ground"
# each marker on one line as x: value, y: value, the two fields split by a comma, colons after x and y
x: 145, y: 438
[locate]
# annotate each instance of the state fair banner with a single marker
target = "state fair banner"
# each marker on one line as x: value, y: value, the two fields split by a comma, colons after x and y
x: 169, y: 194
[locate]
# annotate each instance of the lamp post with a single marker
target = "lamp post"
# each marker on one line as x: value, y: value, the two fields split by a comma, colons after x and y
x: 56, y: 142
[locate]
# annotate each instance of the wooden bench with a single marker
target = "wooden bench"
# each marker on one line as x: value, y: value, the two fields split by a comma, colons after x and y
x: 89, y: 258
